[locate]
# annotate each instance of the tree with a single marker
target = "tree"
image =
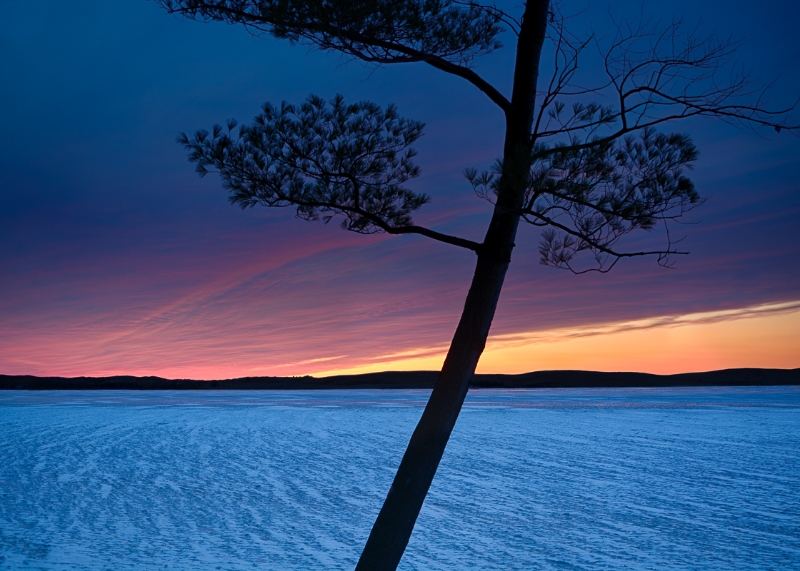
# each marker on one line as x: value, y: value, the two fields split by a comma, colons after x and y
x: 586, y: 163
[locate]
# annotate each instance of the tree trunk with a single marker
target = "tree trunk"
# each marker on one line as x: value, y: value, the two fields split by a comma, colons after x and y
x: 395, y: 522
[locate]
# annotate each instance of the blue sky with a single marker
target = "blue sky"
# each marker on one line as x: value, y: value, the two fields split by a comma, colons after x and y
x: 116, y: 257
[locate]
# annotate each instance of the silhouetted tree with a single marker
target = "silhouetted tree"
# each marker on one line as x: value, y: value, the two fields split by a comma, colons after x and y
x: 586, y: 163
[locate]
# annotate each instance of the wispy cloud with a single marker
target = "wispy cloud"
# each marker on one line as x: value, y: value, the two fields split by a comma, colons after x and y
x: 665, y: 321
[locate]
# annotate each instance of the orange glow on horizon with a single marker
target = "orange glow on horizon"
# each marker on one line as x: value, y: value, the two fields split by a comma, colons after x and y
x: 184, y: 345
x: 765, y: 336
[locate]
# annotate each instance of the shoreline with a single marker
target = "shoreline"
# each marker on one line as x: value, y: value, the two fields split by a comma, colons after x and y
x: 416, y: 380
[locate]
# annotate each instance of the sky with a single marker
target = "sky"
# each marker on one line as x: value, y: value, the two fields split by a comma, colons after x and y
x: 115, y: 258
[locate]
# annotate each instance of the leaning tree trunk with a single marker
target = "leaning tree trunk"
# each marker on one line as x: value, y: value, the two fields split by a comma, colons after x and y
x: 395, y: 522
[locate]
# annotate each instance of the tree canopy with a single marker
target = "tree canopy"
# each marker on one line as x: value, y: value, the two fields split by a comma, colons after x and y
x: 582, y: 157
x: 598, y: 169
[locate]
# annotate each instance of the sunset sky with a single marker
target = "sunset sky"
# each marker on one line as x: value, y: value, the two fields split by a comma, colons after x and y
x: 115, y: 258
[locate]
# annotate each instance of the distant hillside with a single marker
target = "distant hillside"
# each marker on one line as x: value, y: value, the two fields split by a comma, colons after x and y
x: 415, y: 380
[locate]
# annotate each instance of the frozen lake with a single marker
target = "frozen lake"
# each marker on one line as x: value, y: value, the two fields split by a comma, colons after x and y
x: 688, y: 478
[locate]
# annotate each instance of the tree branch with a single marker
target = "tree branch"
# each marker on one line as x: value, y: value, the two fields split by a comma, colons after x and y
x: 395, y: 230
x: 548, y: 221
x: 435, y: 61
x: 330, y: 34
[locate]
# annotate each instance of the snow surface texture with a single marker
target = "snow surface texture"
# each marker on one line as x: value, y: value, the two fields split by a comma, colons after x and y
x: 533, y: 479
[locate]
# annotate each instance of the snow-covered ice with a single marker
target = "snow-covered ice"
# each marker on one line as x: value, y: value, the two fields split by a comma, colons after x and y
x: 694, y: 478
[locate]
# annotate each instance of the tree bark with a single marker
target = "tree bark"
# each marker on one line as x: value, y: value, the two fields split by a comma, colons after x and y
x: 392, y: 529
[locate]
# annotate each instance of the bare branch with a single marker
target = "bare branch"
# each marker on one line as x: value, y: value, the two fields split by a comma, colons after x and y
x: 655, y: 74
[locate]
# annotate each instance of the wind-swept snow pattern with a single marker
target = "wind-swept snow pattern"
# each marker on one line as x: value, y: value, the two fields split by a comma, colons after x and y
x: 690, y: 478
